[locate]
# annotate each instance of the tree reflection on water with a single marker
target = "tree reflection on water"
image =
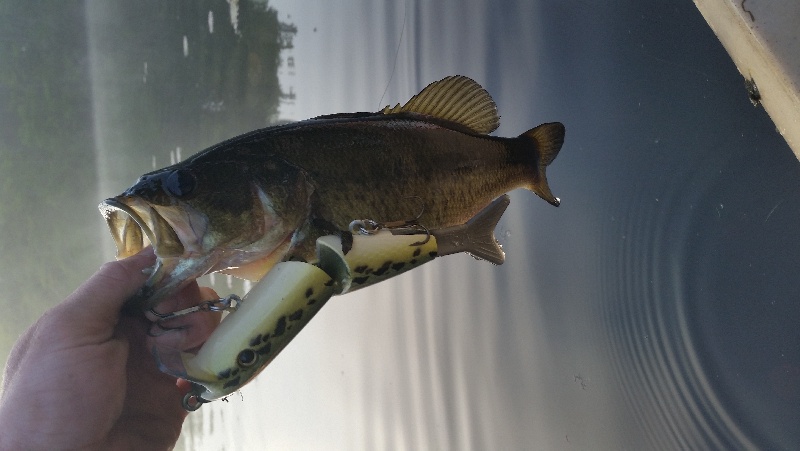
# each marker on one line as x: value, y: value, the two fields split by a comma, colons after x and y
x: 183, y: 74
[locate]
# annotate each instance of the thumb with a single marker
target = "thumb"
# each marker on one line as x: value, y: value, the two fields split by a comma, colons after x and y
x: 100, y: 299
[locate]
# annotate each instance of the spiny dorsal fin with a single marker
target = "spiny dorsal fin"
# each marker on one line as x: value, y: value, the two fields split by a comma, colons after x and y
x: 457, y: 99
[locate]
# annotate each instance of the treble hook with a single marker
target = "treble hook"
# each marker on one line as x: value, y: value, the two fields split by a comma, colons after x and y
x: 365, y: 227
x: 403, y: 227
x: 409, y: 222
x: 414, y: 229
x: 230, y: 304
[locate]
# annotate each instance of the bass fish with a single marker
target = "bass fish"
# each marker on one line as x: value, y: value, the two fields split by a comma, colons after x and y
x: 277, y: 308
x: 248, y: 203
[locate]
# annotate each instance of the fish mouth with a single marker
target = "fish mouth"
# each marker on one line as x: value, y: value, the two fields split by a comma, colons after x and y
x: 175, y: 232
x: 135, y: 224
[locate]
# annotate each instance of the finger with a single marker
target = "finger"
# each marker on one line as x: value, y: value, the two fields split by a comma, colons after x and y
x: 187, y: 332
x: 98, y: 301
x: 186, y: 297
x: 208, y: 293
x: 203, y: 325
x: 153, y: 404
x: 94, y: 305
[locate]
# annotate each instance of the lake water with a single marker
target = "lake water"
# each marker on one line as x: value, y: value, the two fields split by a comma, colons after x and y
x: 656, y: 308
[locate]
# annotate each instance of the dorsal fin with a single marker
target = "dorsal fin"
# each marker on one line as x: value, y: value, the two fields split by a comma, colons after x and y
x: 457, y: 99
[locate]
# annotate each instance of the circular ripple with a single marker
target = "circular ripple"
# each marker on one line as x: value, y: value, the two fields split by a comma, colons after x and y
x: 654, y: 352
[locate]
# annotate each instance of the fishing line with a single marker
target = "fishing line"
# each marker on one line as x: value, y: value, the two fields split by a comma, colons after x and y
x: 396, y: 54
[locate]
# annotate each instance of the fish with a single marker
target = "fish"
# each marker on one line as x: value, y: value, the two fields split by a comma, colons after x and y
x: 277, y: 308
x: 242, y: 206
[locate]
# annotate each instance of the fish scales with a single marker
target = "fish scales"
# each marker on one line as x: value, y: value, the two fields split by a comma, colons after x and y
x: 252, y: 201
x: 393, y: 168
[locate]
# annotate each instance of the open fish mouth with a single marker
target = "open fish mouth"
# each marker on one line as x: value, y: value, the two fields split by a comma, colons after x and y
x: 135, y: 224
x: 175, y: 233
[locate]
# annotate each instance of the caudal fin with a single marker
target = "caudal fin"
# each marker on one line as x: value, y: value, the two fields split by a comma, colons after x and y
x: 543, y: 142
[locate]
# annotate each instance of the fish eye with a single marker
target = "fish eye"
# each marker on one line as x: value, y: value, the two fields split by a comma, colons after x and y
x: 180, y: 183
x: 246, y: 358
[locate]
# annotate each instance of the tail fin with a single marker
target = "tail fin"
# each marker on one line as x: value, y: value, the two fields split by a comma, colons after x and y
x: 546, y: 141
x: 477, y: 235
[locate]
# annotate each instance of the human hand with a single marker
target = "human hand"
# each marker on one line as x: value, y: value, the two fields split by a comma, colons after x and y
x: 83, y: 376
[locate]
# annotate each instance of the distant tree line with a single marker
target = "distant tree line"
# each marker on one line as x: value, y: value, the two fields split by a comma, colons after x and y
x: 220, y: 84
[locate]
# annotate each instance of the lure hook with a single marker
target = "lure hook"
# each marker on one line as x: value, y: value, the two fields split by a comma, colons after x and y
x: 405, y: 227
x: 229, y: 304
x: 192, y: 401
x: 365, y: 227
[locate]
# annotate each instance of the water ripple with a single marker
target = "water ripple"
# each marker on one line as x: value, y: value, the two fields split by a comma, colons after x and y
x: 650, y: 335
